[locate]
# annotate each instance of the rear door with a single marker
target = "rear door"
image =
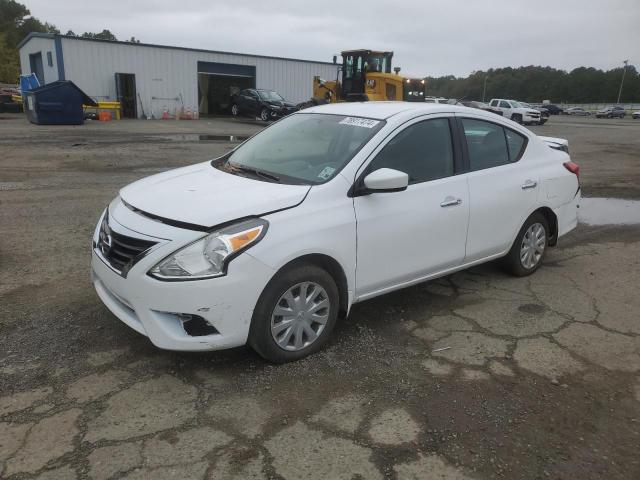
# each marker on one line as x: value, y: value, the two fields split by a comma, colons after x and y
x: 503, y: 185
x: 404, y: 236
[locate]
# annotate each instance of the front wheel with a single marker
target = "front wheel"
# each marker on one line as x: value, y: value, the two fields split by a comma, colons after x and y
x: 517, y: 118
x: 265, y: 114
x: 235, y: 111
x: 529, y: 247
x: 295, y: 314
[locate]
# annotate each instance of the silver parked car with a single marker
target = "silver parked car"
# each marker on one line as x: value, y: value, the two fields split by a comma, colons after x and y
x: 611, y: 112
x: 577, y: 111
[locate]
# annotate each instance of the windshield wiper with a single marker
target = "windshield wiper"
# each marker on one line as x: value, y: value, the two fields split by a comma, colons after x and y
x: 258, y: 173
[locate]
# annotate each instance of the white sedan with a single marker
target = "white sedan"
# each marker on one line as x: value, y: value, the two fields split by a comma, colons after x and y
x: 270, y: 244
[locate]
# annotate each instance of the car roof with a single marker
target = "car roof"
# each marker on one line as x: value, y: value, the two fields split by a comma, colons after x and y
x: 383, y: 110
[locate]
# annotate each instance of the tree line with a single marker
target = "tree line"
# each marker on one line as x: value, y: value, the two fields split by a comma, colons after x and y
x: 16, y: 23
x: 535, y: 84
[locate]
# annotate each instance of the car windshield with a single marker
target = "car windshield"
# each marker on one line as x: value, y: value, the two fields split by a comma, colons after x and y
x: 516, y: 104
x: 269, y: 95
x: 306, y: 148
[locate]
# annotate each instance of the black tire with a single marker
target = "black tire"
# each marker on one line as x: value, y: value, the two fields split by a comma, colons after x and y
x: 235, y: 110
x: 260, y: 336
x: 265, y: 114
x: 517, y: 118
x: 513, y: 262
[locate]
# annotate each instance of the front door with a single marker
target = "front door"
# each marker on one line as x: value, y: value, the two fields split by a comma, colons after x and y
x: 35, y: 62
x: 408, y: 235
x: 353, y: 75
x: 126, y: 94
x: 247, y: 101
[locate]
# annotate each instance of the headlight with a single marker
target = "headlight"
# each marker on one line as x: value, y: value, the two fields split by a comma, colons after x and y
x: 209, y: 256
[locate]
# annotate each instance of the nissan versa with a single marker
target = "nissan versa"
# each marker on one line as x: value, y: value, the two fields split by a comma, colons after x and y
x: 270, y: 244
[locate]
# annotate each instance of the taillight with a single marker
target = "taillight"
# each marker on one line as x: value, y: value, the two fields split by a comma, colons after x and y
x: 573, y: 168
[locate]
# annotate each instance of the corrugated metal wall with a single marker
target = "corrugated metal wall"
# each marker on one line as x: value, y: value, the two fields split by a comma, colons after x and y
x: 168, y: 72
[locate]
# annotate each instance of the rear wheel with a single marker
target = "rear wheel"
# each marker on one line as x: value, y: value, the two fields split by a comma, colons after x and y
x: 295, y: 314
x: 265, y: 114
x: 529, y: 248
x: 235, y: 111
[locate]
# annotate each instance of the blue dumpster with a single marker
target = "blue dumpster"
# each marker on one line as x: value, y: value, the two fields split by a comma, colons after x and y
x: 57, y: 103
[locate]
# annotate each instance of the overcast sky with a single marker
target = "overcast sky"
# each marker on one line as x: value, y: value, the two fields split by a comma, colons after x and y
x: 429, y: 37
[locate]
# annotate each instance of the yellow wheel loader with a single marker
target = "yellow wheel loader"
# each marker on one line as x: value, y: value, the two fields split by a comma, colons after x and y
x: 365, y: 75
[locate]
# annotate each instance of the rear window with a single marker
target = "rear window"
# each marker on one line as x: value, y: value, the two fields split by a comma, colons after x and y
x: 491, y: 145
x: 516, y: 144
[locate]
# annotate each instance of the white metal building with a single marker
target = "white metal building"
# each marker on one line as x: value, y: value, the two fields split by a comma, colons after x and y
x: 150, y: 78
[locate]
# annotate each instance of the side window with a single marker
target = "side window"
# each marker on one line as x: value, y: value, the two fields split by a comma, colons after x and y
x: 423, y: 151
x: 516, y: 144
x: 486, y: 144
x: 504, y: 104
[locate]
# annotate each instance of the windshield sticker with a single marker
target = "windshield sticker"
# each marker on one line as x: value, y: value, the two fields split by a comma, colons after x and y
x: 360, y: 122
x: 326, y: 172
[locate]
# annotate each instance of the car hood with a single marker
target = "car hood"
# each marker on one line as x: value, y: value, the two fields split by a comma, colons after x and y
x: 204, y: 196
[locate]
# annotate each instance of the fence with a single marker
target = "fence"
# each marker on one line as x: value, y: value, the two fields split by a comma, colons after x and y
x: 594, y: 107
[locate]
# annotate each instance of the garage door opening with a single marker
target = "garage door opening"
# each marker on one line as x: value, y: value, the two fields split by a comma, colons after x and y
x: 217, y: 82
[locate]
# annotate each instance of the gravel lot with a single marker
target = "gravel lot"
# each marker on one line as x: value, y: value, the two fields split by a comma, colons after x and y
x: 541, y: 378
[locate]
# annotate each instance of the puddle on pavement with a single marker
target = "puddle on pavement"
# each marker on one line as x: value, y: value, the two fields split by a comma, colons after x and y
x: 194, y: 137
x: 609, y: 211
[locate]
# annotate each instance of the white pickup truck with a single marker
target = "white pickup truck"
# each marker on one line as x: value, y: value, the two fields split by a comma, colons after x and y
x: 516, y: 111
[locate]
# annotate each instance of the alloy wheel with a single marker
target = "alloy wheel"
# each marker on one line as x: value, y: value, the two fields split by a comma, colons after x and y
x: 300, y: 316
x: 533, y: 244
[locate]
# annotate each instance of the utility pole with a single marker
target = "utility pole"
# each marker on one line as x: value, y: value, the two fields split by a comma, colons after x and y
x: 484, y: 88
x: 624, y: 70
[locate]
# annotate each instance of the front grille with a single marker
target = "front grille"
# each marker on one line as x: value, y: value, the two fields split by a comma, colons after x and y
x: 120, y: 251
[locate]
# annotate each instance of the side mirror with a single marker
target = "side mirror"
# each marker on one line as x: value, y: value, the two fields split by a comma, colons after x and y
x: 386, y: 180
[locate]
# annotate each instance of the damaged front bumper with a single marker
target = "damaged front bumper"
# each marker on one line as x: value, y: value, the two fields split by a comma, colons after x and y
x: 197, y: 315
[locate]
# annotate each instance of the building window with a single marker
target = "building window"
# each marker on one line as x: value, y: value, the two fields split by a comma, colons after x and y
x: 49, y: 59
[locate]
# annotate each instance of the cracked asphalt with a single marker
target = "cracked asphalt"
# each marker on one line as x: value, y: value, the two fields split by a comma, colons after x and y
x: 478, y: 375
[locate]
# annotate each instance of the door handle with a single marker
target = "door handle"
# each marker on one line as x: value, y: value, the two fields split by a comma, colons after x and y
x: 529, y: 184
x: 450, y: 202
